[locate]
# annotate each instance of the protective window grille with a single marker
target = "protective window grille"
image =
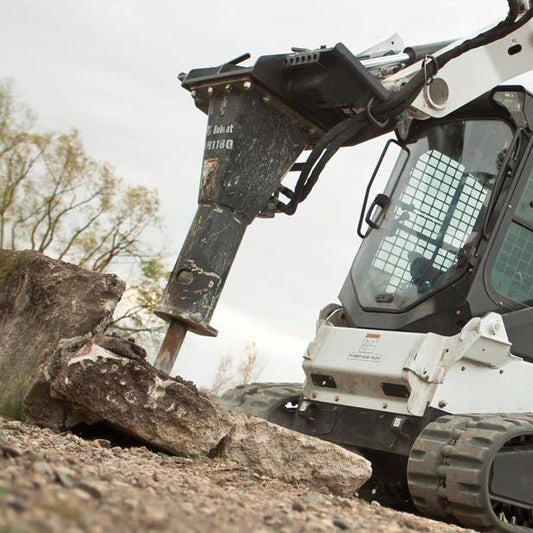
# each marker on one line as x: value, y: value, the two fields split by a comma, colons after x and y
x: 435, y: 215
x: 512, y: 274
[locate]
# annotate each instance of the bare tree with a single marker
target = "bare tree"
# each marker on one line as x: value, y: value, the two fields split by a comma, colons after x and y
x: 241, y: 372
x: 224, y: 376
x: 56, y: 199
x: 252, y: 365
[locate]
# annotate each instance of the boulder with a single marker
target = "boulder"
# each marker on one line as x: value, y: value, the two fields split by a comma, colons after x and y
x: 97, y: 384
x: 292, y: 457
x: 41, y: 302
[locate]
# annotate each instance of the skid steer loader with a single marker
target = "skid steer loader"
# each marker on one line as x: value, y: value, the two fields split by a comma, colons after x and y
x: 426, y: 367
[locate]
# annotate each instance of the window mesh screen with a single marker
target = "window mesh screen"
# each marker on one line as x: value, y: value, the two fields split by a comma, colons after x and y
x: 513, y: 268
x: 434, y: 216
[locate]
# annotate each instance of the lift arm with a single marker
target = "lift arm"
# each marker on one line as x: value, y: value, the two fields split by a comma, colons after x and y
x: 469, y: 75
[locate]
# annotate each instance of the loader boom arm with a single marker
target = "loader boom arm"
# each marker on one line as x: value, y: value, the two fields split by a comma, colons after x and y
x: 470, y: 75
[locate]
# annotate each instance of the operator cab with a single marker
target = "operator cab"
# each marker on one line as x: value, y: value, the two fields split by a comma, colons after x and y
x: 446, y: 246
x: 439, y: 196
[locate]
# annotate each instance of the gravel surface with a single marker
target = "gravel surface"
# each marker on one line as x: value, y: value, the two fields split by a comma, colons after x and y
x: 61, y: 482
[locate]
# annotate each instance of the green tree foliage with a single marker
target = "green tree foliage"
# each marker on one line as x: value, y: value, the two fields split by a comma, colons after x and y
x: 58, y: 200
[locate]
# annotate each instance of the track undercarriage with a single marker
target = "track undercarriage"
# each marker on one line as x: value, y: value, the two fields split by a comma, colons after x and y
x: 475, y: 470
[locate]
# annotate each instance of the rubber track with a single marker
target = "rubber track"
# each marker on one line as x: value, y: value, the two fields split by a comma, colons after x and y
x: 260, y: 399
x: 450, y: 462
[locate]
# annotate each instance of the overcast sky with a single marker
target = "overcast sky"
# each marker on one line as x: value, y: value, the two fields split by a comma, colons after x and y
x: 109, y: 69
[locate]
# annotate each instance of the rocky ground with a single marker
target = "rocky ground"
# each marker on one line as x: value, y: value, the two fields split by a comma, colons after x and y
x: 60, y: 482
x: 222, y: 471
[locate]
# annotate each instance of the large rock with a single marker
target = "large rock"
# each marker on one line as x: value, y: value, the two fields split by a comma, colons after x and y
x: 104, y: 380
x: 41, y: 302
x: 292, y: 457
x: 100, y: 380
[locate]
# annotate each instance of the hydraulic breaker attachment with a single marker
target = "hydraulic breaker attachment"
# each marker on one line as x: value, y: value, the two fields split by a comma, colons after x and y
x: 260, y: 119
x: 251, y: 143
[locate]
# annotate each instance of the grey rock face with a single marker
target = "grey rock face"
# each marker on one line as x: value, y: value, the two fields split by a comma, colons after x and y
x: 283, y: 454
x: 41, y: 302
x: 96, y: 385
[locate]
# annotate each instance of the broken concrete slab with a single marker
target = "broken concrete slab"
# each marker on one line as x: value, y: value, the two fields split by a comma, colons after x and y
x: 42, y: 301
x: 95, y: 384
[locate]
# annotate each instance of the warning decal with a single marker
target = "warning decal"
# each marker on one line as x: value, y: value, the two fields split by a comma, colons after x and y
x: 367, y: 350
